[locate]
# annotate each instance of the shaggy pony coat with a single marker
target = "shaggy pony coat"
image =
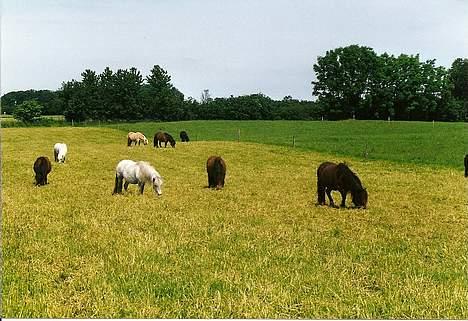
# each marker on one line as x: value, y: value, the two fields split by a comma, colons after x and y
x: 216, y: 169
x: 339, y: 177
x: 136, y: 137
x: 136, y: 173
x: 184, y: 136
x: 42, y: 168
x: 60, y: 152
x: 161, y: 137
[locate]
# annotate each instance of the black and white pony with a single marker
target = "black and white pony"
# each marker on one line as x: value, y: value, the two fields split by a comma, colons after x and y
x: 60, y: 152
x: 136, y: 173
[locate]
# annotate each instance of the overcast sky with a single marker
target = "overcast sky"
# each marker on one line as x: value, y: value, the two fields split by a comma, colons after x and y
x: 233, y: 47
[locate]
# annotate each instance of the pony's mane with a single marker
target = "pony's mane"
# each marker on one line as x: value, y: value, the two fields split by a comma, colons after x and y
x: 349, y: 176
x: 148, y: 171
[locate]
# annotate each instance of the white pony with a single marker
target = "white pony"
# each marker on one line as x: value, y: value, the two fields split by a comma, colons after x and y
x: 60, y: 152
x: 136, y: 173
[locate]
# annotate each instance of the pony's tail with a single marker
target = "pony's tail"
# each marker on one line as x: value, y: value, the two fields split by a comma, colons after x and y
x: 116, y: 187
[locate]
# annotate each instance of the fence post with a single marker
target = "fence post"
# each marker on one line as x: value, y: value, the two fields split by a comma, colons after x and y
x: 294, y: 141
x: 433, y: 123
x: 238, y: 135
x: 72, y: 122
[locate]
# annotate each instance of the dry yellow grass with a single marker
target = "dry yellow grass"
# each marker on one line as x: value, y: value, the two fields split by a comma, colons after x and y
x: 259, y: 248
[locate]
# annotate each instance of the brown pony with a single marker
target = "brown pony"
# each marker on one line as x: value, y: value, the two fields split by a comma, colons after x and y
x: 136, y: 138
x: 161, y: 137
x: 42, y: 168
x: 466, y: 165
x: 216, y: 168
x: 333, y: 177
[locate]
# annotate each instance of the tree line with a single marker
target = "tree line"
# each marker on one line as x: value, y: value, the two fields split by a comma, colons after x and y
x: 351, y: 82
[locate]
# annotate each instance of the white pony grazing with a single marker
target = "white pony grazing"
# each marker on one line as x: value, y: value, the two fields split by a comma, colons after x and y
x: 136, y: 173
x: 60, y: 152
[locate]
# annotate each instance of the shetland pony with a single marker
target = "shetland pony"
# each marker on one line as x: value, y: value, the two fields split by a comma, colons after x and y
x: 136, y: 137
x: 183, y: 136
x: 136, y: 173
x: 60, y: 152
x: 161, y: 137
x: 331, y: 176
x: 216, y: 168
x: 466, y: 165
x: 42, y: 168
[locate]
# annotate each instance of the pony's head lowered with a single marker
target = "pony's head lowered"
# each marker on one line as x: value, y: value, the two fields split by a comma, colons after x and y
x: 360, y: 197
x: 170, y: 139
x: 157, y: 182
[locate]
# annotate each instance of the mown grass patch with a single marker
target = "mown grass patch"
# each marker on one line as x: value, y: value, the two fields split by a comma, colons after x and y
x: 259, y: 248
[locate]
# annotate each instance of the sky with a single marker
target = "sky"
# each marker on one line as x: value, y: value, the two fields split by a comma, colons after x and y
x: 231, y: 47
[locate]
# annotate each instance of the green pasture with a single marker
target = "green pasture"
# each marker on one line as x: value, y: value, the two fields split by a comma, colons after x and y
x: 438, y: 144
x: 259, y: 248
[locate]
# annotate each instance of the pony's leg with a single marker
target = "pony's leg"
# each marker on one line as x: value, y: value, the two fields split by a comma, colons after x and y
x: 55, y: 156
x: 126, y: 186
x: 343, y: 198
x: 332, y: 204
x: 210, y: 180
x: 320, y: 194
x: 142, y: 187
x: 165, y: 144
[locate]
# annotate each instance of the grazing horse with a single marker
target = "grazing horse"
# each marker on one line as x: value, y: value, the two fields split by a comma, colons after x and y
x: 183, y: 136
x: 136, y: 173
x: 42, y: 168
x: 331, y: 176
x: 161, y: 137
x: 136, y: 137
x: 466, y: 165
x: 60, y: 152
x: 216, y: 168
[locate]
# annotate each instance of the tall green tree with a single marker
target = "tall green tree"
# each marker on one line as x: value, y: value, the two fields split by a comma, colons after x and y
x: 343, y: 78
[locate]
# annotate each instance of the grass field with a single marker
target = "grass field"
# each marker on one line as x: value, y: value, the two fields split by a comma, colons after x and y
x: 438, y: 144
x: 259, y: 248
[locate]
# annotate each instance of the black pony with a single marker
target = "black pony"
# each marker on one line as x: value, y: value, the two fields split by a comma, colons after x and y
x: 466, y: 165
x: 333, y: 177
x: 216, y: 168
x: 42, y: 168
x: 161, y: 137
x: 183, y: 136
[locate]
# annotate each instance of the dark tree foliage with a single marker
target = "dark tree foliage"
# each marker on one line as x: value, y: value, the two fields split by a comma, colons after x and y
x: 356, y: 82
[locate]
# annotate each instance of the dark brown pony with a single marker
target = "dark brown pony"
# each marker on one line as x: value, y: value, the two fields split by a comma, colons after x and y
x: 183, y: 136
x: 333, y: 177
x: 42, y: 168
x: 161, y: 137
x: 216, y: 168
x: 466, y: 165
